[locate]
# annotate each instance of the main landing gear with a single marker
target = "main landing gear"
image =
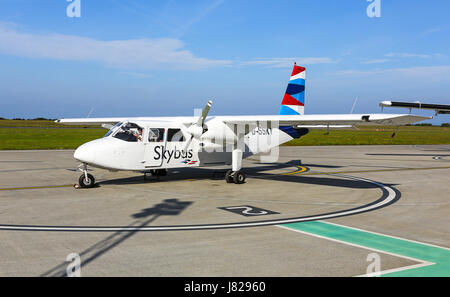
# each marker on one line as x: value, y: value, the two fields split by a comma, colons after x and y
x: 155, y: 172
x: 236, y: 175
x: 86, y: 180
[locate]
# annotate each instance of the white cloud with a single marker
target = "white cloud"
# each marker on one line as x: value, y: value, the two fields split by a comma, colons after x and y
x: 434, y: 30
x: 376, y: 61
x: 431, y: 73
x: 144, y: 54
x: 181, y: 30
x: 138, y: 53
x: 287, y: 62
x: 408, y: 55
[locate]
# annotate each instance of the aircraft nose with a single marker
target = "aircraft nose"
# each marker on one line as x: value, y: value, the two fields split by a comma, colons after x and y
x: 85, y: 153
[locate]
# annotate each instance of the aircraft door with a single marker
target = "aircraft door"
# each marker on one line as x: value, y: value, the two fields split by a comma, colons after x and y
x: 178, y: 154
x: 154, y: 147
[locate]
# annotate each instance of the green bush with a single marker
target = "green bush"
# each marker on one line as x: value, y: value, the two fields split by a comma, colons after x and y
x: 424, y: 124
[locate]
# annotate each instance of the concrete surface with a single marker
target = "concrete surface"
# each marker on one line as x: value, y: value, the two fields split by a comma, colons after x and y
x: 36, y: 189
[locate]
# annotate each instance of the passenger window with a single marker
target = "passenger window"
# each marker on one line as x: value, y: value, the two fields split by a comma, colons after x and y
x: 175, y: 135
x: 156, y: 135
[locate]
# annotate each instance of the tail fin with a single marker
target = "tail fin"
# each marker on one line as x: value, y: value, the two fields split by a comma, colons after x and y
x: 294, y: 99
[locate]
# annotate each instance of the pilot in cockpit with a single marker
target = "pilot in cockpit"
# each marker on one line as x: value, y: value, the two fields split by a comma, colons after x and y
x: 138, y: 134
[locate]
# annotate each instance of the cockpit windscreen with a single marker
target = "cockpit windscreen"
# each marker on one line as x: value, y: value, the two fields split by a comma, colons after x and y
x: 130, y: 132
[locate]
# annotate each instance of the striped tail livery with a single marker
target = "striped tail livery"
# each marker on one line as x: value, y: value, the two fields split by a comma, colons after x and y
x: 294, y: 99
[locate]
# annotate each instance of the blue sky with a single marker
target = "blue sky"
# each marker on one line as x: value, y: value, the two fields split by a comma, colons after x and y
x: 158, y: 58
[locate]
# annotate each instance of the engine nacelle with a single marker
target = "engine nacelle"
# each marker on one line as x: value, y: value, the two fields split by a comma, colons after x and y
x: 210, y: 147
x: 219, y: 133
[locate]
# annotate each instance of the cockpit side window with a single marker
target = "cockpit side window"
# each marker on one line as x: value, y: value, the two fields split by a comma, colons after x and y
x: 129, y: 132
x: 156, y: 135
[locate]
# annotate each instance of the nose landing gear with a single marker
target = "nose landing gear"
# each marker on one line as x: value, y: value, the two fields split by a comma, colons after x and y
x: 86, y: 180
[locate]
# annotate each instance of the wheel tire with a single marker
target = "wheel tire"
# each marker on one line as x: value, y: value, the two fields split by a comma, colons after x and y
x: 239, y: 177
x: 89, y: 183
x: 159, y: 172
x: 146, y: 177
x: 229, y: 177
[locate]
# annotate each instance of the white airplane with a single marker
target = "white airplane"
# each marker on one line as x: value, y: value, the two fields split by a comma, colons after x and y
x: 438, y: 108
x: 156, y: 144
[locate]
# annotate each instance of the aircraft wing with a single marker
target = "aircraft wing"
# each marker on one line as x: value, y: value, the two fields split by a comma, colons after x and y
x: 321, y: 127
x: 89, y: 121
x: 112, y: 121
x: 283, y: 120
x: 328, y: 119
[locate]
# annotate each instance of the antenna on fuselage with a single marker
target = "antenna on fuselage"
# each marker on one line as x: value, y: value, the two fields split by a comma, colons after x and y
x: 90, y: 112
x: 354, y: 105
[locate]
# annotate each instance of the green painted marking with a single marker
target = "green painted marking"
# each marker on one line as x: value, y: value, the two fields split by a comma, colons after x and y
x: 439, y: 256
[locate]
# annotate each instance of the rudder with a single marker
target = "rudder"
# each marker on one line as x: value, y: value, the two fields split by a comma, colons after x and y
x: 294, y: 98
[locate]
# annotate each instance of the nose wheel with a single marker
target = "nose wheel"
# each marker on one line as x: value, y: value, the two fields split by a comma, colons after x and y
x: 86, y: 180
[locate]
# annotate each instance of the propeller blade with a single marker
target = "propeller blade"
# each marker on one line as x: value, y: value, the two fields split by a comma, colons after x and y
x: 188, y: 143
x: 195, y: 130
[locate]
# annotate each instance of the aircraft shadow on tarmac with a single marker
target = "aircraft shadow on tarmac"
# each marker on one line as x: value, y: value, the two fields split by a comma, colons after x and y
x: 254, y: 172
x: 320, y: 181
x: 168, y: 207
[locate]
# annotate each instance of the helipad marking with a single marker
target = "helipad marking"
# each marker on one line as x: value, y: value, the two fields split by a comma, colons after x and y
x: 376, y: 170
x: 389, y: 196
x: 434, y: 260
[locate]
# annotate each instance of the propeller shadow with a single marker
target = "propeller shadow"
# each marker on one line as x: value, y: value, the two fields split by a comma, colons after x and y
x: 168, y: 207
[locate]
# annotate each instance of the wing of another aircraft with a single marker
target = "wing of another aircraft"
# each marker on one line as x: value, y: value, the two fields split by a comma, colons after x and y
x: 438, y: 108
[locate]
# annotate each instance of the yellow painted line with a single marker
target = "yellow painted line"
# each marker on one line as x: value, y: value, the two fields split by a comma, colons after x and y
x: 33, y: 188
x: 302, y: 169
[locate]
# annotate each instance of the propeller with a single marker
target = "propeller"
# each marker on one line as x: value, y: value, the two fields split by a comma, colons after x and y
x: 202, y: 118
x: 196, y: 130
